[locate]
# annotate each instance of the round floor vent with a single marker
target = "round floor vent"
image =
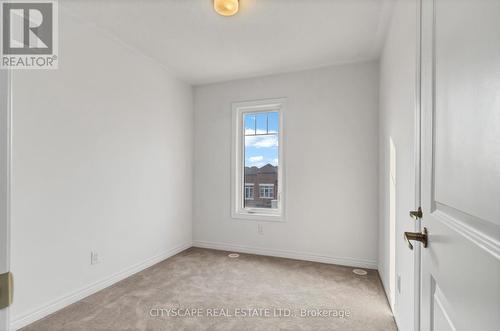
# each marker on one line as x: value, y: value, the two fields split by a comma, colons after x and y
x: 234, y: 255
x: 360, y: 272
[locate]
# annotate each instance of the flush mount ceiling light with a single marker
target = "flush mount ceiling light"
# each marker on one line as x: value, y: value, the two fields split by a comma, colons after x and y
x: 226, y: 7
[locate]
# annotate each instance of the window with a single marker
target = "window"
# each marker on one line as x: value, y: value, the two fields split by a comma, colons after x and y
x: 248, y: 191
x: 257, y: 166
x: 266, y: 191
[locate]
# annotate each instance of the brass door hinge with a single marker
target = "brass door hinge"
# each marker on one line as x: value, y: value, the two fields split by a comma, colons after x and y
x: 416, y: 214
x: 6, y: 289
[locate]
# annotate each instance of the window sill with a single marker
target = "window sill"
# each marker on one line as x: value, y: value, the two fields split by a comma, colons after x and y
x: 267, y: 217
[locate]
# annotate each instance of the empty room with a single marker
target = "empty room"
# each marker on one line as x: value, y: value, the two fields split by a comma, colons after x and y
x: 249, y: 165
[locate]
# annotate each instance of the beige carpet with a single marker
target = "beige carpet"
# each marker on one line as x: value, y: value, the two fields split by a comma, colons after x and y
x: 246, y: 293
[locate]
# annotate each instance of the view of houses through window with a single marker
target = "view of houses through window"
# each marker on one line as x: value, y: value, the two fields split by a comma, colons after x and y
x: 249, y: 191
x: 261, y: 159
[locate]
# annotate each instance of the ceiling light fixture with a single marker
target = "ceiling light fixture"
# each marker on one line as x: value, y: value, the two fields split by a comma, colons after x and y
x: 226, y: 7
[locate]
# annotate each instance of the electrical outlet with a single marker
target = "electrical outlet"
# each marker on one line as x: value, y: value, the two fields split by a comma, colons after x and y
x: 399, y: 284
x: 260, y: 228
x: 94, y: 258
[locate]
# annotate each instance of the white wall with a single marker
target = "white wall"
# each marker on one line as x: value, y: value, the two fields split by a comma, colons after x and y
x: 397, y: 121
x: 102, y: 160
x: 4, y: 184
x: 331, y: 160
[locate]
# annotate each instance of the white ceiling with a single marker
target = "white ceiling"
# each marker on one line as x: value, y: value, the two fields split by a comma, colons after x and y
x: 265, y: 37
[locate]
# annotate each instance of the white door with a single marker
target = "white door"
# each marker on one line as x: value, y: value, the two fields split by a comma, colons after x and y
x: 4, y: 185
x: 461, y: 165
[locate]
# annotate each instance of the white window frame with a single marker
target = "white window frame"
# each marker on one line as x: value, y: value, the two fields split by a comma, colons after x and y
x: 238, y: 211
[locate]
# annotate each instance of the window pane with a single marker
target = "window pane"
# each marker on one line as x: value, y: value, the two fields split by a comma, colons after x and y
x: 261, y: 123
x: 249, y: 124
x: 273, y: 120
x: 261, y: 160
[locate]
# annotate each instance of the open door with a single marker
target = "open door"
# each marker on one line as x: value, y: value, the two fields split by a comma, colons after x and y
x: 5, y: 277
x: 460, y: 285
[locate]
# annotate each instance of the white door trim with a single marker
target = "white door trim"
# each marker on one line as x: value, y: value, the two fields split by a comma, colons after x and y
x: 5, y: 179
x: 418, y: 160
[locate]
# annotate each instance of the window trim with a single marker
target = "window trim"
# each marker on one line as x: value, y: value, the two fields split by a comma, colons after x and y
x: 237, y: 171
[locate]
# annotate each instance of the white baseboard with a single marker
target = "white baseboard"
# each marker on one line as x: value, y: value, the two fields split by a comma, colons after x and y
x: 79, y: 294
x: 385, y: 288
x: 351, y: 262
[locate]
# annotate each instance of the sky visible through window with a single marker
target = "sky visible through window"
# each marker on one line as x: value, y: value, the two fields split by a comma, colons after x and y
x: 261, y: 139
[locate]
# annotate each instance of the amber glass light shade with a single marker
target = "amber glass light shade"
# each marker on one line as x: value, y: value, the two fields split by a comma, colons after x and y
x: 226, y: 7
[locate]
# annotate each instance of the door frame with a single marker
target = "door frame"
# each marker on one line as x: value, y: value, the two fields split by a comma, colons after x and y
x: 418, y: 159
x: 5, y: 180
